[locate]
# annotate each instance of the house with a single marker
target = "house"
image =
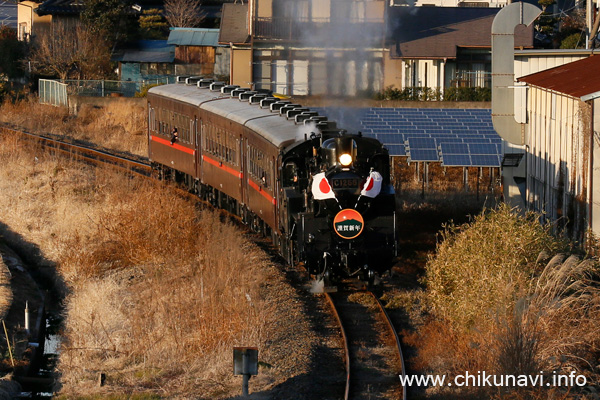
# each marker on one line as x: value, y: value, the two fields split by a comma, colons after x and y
x: 444, y: 47
x: 561, y: 160
x: 37, y: 18
x: 235, y: 33
x: 198, y: 52
x: 306, y: 47
x: 145, y: 60
x: 345, y: 48
x: 29, y: 22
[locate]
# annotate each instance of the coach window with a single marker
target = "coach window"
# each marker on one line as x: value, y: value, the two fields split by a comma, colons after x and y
x: 152, y: 125
x: 186, y: 128
x: 234, y: 152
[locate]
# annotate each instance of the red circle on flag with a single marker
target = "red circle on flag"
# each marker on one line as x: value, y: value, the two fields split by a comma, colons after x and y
x: 348, y: 223
x: 324, y: 186
x: 370, y: 185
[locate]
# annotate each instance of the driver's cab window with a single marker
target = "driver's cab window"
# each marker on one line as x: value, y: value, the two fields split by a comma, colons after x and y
x: 290, y: 174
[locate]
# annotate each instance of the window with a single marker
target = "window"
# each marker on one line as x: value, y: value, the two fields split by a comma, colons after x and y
x: 220, y: 143
x: 259, y: 167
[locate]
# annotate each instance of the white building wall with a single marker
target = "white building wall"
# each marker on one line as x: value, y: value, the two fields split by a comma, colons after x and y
x: 595, y: 174
x: 558, y: 158
x: 531, y: 61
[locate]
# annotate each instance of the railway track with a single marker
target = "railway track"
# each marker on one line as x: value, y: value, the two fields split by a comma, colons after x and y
x: 374, y: 357
x: 82, y: 152
x: 373, y: 354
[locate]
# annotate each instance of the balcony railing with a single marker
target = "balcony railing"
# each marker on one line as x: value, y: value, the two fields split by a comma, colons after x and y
x: 472, y: 79
x: 321, y: 31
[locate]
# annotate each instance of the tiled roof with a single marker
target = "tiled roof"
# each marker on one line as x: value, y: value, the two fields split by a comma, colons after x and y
x: 437, y: 32
x: 54, y: 7
x: 576, y: 79
x: 234, y: 24
x: 76, y: 7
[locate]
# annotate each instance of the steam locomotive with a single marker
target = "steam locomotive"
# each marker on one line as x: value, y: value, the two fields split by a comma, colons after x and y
x: 322, y: 194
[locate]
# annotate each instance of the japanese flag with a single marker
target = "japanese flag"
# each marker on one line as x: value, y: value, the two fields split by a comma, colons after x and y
x: 372, y: 185
x: 321, y: 189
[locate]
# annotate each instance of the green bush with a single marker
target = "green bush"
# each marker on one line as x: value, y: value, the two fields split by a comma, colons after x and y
x: 431, y: 94
x: 409, y: 94
x: 144, y: 89
x: 468, y: 94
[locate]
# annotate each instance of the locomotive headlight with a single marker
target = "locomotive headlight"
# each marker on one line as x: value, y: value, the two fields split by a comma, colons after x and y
x: 345, y: 159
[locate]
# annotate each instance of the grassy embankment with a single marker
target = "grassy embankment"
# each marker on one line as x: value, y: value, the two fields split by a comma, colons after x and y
x: 503, y: 295
x: 158, y: 291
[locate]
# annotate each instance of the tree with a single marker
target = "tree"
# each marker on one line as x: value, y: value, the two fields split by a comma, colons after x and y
x: 12, y: 51
x: 184, y: 13
x: 71, y: 52
x: 112, y: 19
x: 153, y: 24
x: 546, y: 23
x: 572, y: 31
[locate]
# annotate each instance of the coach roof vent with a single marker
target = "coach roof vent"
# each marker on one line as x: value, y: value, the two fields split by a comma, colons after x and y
x: 181, y: 78
x: 245, y: 96
x: 204, y: 83
x: 236, y: 92
x: 216, y: 86
x: 255, y: 99
x: 327, y: 125
x: 278, y: 104
x: 299, y: 119
x: 228, y: 88
x: 266, y: 102
x: 288, y: 107
x: 315, y: 119
x: 192, y: 80
x: 291, y: 114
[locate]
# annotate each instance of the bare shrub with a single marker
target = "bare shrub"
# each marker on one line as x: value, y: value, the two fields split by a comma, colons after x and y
x: 160, y: 292
x: 496, y: 306
x: 566, y: 300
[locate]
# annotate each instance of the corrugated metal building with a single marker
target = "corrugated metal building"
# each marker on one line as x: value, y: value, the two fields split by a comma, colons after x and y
x: 197, y: 52
x: 563, y: 151
x: 145, y: 60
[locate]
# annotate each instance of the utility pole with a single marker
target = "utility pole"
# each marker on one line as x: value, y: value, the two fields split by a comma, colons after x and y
x: 594, y: 30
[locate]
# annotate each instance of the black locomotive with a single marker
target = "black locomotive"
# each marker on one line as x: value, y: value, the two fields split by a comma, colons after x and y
x: 323, y: 195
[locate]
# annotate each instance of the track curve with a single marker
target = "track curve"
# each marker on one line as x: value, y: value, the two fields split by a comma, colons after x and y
x: 83, y: 152
x: 373, y: 353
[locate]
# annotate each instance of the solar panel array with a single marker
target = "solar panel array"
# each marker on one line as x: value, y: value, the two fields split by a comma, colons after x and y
x: 454, y: 137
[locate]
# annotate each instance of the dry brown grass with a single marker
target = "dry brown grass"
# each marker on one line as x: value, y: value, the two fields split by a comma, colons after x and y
x: 159, y: 291
x: 493, y: 304
x: 119, y: 124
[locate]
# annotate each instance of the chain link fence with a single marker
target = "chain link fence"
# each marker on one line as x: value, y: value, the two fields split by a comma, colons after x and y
x: 56, y: 92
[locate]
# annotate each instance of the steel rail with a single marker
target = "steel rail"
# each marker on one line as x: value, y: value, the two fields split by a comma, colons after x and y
x: 396, y: 336
x: 85, y: 153
x: 346, y: 344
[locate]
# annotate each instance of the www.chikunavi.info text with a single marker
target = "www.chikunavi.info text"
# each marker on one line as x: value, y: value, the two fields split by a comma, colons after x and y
x: 483, y: 379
